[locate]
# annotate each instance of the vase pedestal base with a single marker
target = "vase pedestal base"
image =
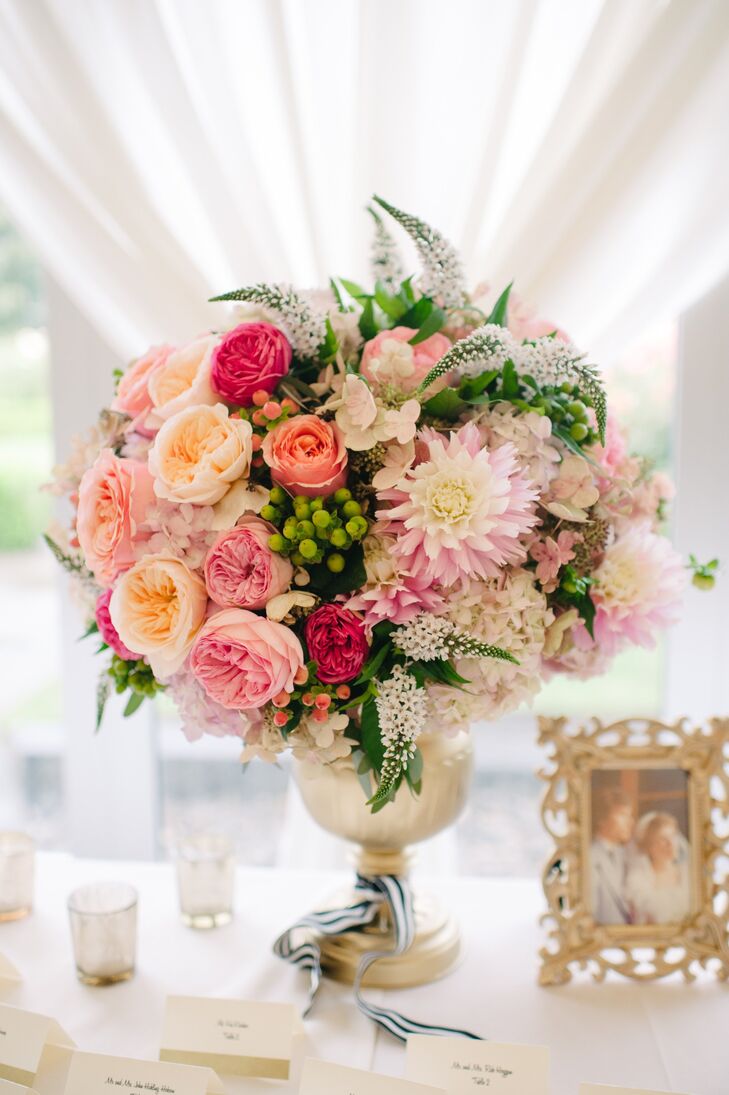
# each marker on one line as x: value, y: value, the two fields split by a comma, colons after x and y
x: 435, y: 950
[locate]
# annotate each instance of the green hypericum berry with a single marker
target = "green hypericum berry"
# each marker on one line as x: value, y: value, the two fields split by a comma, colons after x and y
x: 339, y: 538
x: 577, y: 409
x: 356, y: 527
x: 270, y: 513
x: 578, y: 431
x: 569, y: 586
x: 342, y: 495
x: 316, y: 504
x: 289, y: 529
x: 278, y: 496
x: 351, y: 509
x: 323, y: 533
x: 335, y: 563
x: 297, y: 559
x: 302, y: 511
x: 308, y: 548
x: 321, y: 518
x: 703, y: 581
x: 566, y: 387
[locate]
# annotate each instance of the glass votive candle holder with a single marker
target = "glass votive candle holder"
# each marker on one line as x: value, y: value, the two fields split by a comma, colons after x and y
x: 103, y: 919
x: 205, y: 880
x: 17, y: 869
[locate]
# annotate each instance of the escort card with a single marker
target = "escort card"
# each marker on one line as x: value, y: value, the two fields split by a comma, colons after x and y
x: 8, y: 973
x: 464, y: 1064
x: 324, y: 1078
x: 99, y: 1074
x: 231, y: 1036
x: 23, y: 1038
x: 607, y: 1089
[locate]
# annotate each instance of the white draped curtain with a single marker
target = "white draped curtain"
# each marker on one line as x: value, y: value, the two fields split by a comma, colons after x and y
x: 157, y: 151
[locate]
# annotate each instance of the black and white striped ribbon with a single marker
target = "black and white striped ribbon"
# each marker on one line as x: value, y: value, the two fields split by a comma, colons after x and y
x: 372, y: 893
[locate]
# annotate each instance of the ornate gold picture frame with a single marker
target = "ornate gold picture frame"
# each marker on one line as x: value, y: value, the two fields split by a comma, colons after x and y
x: 671, y: 783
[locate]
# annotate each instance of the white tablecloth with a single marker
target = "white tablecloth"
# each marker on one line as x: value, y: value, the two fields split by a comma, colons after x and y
x: 666, y: 1036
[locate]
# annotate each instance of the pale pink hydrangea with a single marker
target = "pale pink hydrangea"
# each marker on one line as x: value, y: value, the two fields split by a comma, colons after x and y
x: 391, y: 593
x: 262, y: 739
x: 461, y: 511
x: 510, y: 612
x: 551, y: 555
x: 199, y: 714
x: 539, y: 453
x: 574, y: 490
x: 182, y: 529
x: 321, y: 742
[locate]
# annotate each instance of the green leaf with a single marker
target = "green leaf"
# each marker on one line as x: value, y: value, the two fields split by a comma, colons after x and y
x: 414, y: 769
x: 134, y: 702
x: 374, y: 663
x: 372, y: 743
x: 103, y: 688
x: 92, y: 629
x: 566, y: 437
x: 354, y: 575
x: 510, y: 380
x: 391, y: 305
x: 417, y: 315
x: 500, y: 309
x: 433, y: 323
x: 476, y: 385
x: 337, y: 294
x: 356, y: 291
x: 446, y: 404
x: 367, y: 325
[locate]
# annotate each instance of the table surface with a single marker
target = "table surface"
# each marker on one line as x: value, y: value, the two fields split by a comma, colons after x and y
x: 664, y: 1035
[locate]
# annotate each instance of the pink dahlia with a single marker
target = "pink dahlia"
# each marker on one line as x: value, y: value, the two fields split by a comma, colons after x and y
x: 462, y: 510
x: 391, y: 593
x: 638, y: 590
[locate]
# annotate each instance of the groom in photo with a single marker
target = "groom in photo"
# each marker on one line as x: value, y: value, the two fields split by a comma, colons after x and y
x: 613, y: 830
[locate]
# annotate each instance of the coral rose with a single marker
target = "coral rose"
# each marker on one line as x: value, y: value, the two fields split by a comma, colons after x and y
x: 107, y: 631
x: 182, y: 381
x: 157, y: 608
x: 307, y: 456
x: 132, y: 396
x: 337, y: 642
x: 242, y: 571
x: 243, y: 660
x: 113, y: 498
x: 388, y: 358
x: 251, y: 357
x: 199, y: 453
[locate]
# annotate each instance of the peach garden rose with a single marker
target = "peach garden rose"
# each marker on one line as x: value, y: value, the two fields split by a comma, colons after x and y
x: 157, y: 608
x: 113, y: 498
x: 307, y: 455
x: 133, y: 395
x: 198, y: 455
x: 183, y: 380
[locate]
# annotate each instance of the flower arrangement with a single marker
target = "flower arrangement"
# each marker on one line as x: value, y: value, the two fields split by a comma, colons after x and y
x: 351, y: 516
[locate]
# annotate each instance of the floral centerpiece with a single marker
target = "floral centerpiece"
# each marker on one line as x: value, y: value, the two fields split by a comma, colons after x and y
x: 354, y: 515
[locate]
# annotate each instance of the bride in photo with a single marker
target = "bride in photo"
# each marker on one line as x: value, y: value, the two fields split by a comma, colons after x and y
x: 657, y: 887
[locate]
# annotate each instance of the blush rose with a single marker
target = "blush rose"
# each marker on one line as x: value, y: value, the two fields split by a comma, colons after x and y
x: 337, y: 642
x: 132, y: 396
x: 307, y: 455
x: 251, y: 357
x: 241, y: 570
x: 243, y: 660
x: 113, y: 498
x: 107, y: 631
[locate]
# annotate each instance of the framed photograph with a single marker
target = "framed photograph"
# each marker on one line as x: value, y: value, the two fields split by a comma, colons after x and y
x: 638, y: 882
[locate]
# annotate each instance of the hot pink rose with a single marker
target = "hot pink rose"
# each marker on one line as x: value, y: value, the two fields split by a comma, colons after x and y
x: 113, y: 498
x: 243, y: 660
x: 250, y: 357
x: 108, y: 632
x: 132, y: 396
x: 388, y: 358
x: 337, y: 642
x: 307, y: 455
x: 241, y: 570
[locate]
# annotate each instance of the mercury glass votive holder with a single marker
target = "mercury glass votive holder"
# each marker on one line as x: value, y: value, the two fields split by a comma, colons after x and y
x: 104, y: 932
x: 17, y: 870
x: 205, y: 880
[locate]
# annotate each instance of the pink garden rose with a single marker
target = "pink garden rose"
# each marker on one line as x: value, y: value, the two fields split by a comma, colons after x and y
x: 388, y: 358
x: 251, y: 357
x: 132, y: 396
x: 243, y: 660
x: 113, y: 498
x: 337, y: 642
x: 306, y: 455
x: 241, y: 570
x: 108, y: 632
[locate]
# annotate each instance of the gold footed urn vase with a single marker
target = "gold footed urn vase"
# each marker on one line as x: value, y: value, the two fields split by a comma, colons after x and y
x: 335, y: 799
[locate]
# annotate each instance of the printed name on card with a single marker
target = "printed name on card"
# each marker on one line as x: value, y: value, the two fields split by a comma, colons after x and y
x: 231, y: 1036
x: 464, y: 1065
x: 24, y: 1037
x: 100, y: 1074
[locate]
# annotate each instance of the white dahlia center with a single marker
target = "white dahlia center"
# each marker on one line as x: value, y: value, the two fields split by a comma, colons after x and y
x: 451, y: 498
